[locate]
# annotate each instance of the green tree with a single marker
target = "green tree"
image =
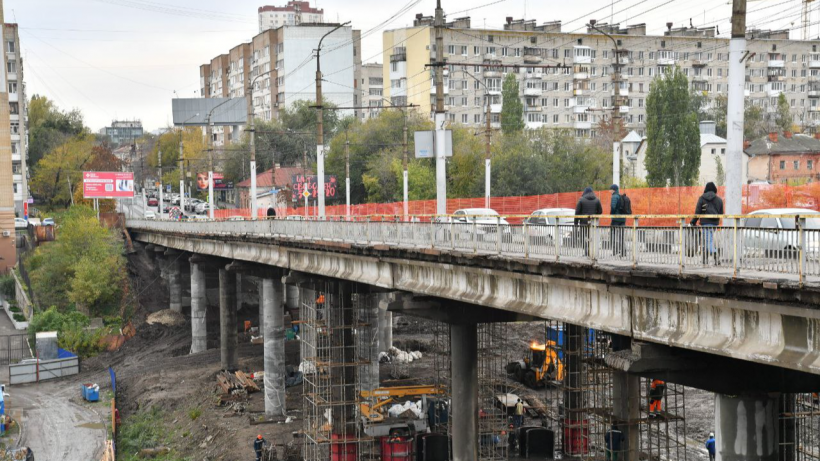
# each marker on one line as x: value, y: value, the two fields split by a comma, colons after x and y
x: 572, y: 164
x: 673, y: 150
x: 783, y: 118
x: 63, y: 165
x: 49, y: 127
x: 512, y: 110
x: 754, y: 125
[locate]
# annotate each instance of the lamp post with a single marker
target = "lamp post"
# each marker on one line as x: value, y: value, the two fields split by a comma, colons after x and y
x: 487, y: 137
x: 209, y: 132
x: 252, y: 116
x: 616, y: 107
x: 182, y: 166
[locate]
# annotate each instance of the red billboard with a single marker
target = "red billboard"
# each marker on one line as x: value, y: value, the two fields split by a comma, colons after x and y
x: 310, y: 183
x: 108, y: 184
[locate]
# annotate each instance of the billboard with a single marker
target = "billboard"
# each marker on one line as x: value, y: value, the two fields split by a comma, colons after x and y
x: 222, y: 111
x: 219, y: 182
x: 108, y: 184
x: 309, y: 183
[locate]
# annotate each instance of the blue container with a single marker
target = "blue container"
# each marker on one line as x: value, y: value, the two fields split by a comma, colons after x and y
x: 90, y: 392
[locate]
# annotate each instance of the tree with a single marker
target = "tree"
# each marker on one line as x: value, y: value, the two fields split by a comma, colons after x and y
x: 512, y: 110
x: 63, y: 165
x: 783, y: 117
x: 49, y: 127
x: 754, y: 125
x: 673, y: 138
x: 572, y: 164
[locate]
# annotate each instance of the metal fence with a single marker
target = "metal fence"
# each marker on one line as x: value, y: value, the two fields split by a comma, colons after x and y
x: 740, y: 243
x: 13, y: 349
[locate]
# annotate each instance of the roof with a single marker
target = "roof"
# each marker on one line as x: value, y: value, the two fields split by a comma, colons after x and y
x: 797, y: 144
x: 283, y: 177
x: 633, y: 136
x: 711, y: 139
x: 304, y: 7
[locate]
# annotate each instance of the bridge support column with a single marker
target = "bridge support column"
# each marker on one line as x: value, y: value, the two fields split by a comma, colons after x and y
x: 574, y: 426
x: 261, y: 295
x: 370, y: 372
x: 272, y: 306
x: 199, y: 306
x: 464, y: 361
x: 626, y: 392
x: 229, y: 356
x: 174, y: 280
x: 292, y: 298
x: 385, y: 330
x: 746, y: 427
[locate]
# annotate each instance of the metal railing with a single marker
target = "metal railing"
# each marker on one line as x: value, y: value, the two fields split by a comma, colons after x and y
x: 792, y: 248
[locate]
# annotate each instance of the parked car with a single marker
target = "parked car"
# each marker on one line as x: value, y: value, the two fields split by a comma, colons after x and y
x: 150, y: 214
x: 541, y: 225
x: 778, y: 237
x: 190, y: 204
x: 20, y: 223
x: 202, y: 208
x: 153, y: 201
x: 48, y: 221
x: 484, y: 221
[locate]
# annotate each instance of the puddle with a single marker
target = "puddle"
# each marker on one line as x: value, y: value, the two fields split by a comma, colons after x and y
x: 92, y: 425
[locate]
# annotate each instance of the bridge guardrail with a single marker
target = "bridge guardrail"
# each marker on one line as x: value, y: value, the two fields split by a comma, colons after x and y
x: 793, y: 247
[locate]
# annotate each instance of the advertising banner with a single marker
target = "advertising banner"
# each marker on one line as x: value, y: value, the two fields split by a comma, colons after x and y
x: 108, y: 184
x: 309, y: 183
x: 219, y: 182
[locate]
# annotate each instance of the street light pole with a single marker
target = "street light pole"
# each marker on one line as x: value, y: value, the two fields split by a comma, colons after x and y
x: 617, y: 119
x: 252, y: 117
x: 734, y: 113
x: 210, y: 135
x: 320, y: 136
x: 487, y: 142
x: 182, y: 165
x: 440, y: 133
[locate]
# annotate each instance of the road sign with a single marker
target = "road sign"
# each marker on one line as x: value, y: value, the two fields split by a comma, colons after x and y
x: 108, y: 184
x: 425, y: 146
x: 305, y: 194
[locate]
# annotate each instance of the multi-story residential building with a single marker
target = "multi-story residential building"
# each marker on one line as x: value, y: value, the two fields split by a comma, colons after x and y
x: 292, y: 14
x: 784, y: 157
x: 122, y: 132
x: 372, y: 85
x: 8, y: 179
x: 18, y: 116
x: 566, y: 79
x: 278, y: 68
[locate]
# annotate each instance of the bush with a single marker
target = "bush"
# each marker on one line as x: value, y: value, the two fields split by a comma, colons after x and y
x: 144, y: 429
x: 14, y: 309
x: 19, y: 318
x: 70, y: 326
x: 7, y: 286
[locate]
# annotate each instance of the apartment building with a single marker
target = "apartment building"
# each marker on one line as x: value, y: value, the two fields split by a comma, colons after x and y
x: 18, y: 117
x: 8, y: 179
x: 372, y: 85
x: 278, y: 67
x: 292, y: 14
x: 122, y: 132
x: 566, y: 79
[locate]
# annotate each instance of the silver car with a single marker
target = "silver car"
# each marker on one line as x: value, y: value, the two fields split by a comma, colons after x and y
x: 779, y: 237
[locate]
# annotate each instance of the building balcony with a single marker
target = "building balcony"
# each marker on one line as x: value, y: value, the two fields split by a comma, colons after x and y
x: 624, y: 109
x: 623, y: 60
x: 776, y: 78
x: 623, y: 92
x: 777, y: 63
x: 582, y: 125
x: 698, y: 63
x: 666, y: 61
x: 16, y: 158
x: 534, y: 125
x: 14, y: 97
x: 814, y: 108
x: 533, y: 91
x: 398, y: 57
x: 580, y: 109
x: 532, y: 59
x: 15, y: 137
x: 17, y: 177
x: 747, y: 93
x: 580, y: 91
x: 582, y: 60
x: 581, y: 76
x: 814, y: 64
x: 12, y: 76
x: 814, y: 93
x: 492, y: 73
x: 532, y: 108
x: 494, y: 108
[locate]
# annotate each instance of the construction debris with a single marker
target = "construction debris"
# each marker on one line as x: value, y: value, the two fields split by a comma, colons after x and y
x: 233, y: 383
x: 166, y: 317
x: 396, y: 355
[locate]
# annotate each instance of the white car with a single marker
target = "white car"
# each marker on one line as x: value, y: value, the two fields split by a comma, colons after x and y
x: 202, y: 208
x: 20, y: 223
x: 483, y: 221
x: 541, y: 224
x: 150, y: 215
x: 779, y: 237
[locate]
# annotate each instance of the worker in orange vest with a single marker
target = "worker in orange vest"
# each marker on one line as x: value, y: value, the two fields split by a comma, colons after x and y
x: 320, y: 299
x: 656, y: 393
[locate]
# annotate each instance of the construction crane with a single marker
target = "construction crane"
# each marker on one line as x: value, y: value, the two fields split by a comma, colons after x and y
x: 372, y: 410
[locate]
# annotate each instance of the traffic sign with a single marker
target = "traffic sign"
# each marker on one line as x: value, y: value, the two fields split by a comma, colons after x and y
x: 305, y: 194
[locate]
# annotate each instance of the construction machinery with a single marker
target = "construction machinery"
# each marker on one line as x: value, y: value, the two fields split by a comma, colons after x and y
x: 376, y: 402
x: 542, y: 366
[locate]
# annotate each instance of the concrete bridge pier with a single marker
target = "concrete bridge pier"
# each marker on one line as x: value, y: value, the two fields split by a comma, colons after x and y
x: 574, y: 423
x: 229, y: 356
x: 199, y: 305
x: 464, y: 366
x: 174, y: 279
x: 746, y: 427
x: 626, y: 392
x: 272, y: 305
x: 385, y: 328
x: 159, y: 258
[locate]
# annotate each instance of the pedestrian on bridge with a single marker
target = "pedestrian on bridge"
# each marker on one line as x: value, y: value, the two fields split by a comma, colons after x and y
x: 588, y: 205
x: 616, y: 227
x: 708, y: 204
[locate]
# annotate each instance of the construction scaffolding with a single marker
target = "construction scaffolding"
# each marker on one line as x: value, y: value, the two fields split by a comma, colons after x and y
x: 799, y: 427
x: 337, y: 329
x: 663, y: 428
x: 493, y: 392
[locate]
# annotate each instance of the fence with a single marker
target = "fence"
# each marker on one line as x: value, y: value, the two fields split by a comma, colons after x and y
x: 13, y: 349
x: 34, y: 370
x: 656, y: 201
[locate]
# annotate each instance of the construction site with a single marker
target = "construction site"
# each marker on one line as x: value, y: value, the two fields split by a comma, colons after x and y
x: 367, y: 382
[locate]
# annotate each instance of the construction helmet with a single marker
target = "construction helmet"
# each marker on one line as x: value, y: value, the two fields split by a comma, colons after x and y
x: 259, y: 437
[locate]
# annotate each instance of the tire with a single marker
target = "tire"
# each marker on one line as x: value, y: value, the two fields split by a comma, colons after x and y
x: 529, y: 380
x: 520, y: 374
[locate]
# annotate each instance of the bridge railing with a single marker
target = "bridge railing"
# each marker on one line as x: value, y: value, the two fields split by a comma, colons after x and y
x: 774, y: 244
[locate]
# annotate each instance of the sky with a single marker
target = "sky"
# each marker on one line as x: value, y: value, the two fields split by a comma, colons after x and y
x: 126, y: 59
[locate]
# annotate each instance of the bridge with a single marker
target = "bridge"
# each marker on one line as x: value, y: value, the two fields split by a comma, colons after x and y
x: 731, y: 309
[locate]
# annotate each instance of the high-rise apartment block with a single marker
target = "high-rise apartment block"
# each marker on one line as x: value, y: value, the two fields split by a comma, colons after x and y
x: 372, y: 85
x: 278, y: 68
x: 292, y: 14
x: 18, y: 116
x: 122, y: 132
x: 9, y: 179
x: 566, y: 80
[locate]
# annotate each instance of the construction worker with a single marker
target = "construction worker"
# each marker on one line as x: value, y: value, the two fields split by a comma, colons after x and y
x: 519, y: 413
x: 258, y: 444
x: 513, y: 439
x: 614, y: 441
x: 710, y: 446
x: 656, y: 392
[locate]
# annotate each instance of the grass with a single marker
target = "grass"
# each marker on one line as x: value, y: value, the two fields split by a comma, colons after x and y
x: 19, y: 317
x: 145, y: 430
x: 195, y: 413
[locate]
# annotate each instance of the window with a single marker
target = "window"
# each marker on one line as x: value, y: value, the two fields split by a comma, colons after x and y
x: 796, y: 164
x: 555, y: 119
x: 782, y: 164
x: 810, y: 164
x: 464, y: 51
x: 451, y: 49
x: 15, y: 127
x: 12, y: 87
x: 394, y: 66
x: 12, y: 66
x: 477, y: 50
x: 714, y: 151
x: 10, y: 46
x: 723, y: 150
x: 477, y: 118
x: 464, y: 118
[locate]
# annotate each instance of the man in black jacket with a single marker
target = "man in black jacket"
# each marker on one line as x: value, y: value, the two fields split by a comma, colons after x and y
x: 258, y: 445
x: 588, y: 205
x: 708, y: 204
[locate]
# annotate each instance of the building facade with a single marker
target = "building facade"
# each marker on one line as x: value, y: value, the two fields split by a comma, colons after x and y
x: 278, y: 68
x: 122, y: 132
x: 372, y: 86
x: 566, y: 79
x: 292, y: 14
x: 8, y: 240
x: 18, y: 117
x: 784, y: 157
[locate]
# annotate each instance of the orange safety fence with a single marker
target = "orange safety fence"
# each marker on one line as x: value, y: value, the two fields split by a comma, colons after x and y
x: 654, y: 201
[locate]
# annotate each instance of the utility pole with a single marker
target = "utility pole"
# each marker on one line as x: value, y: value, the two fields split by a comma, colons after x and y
x: 159, y: 166
x: 320, y: 136
x: 617, y: 118
x: 440, y: 140
x: 487, y: 153
x: 210, y: 133
x: 181, y: 175
x: 304, y: 176
x: 251, y: 116
x: 347, y: 179
x: 404, y: 180
x: 734, y: 116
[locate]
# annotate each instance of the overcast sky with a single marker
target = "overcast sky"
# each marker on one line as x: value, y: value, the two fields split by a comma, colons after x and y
x: 123, y: 59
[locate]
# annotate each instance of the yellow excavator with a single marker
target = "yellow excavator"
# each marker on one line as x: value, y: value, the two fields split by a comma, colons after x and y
x: 541, y: 366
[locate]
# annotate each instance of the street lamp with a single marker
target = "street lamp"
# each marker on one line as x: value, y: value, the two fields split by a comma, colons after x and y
x: 182, y: 166
x: 304, y: 164
x: 252, y: 116
x: 487, y: 134
x: 616, y: 107
x: 209, y: 132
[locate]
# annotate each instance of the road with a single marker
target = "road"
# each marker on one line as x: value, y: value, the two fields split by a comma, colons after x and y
x: 136, y: 208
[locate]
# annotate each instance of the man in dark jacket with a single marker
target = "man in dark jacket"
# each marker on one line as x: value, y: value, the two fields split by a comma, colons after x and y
x: 613, y: 439
x: 588, y: 205
x: 708, y: 204
x: 258, y: 445
x: 271, y: 212
x: 616, y: 228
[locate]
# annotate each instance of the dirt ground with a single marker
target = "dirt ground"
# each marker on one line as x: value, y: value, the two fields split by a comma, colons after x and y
x: 155, y: 369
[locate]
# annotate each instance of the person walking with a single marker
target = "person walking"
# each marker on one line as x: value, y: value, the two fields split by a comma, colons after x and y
x: 656, y: 393
x: 710, y: 446
x: 588, y: 205
x: 519, y: 413
x: 258, y: 445
x: 613, y: 439
x: 616, y: 228
x: 708, y: 204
